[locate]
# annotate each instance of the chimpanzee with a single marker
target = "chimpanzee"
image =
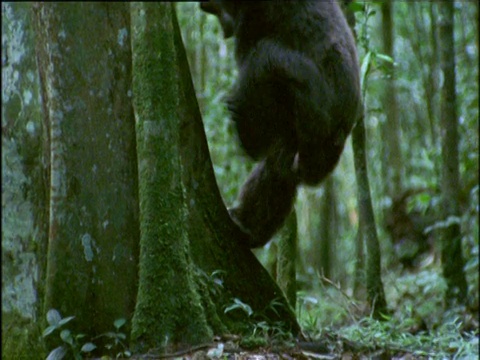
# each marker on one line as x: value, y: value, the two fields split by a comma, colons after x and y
x: 294, y: 103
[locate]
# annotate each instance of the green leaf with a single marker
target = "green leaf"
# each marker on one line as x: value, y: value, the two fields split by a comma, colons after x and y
x: 385, y: 316
x: 88, y: 347
x: 238, y: 304
x: 66, y: 336
x: 218, y: 272
x: 53, y: 317
x: 49, y: 330
x: 119, y: 323
x: 66, y: 320
x: 365, y: 69
x: 385, y: 57
x: 57, y: 353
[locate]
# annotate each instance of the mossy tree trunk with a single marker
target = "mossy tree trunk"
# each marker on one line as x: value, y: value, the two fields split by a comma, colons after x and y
x: 168, y: 308
x: 83, y: 53
x: 189, y: 243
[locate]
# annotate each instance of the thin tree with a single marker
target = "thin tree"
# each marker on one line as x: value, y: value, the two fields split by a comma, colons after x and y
x: 328, y: 229
x: 392, y: 156
x: 368, y: 229
x: 286, y: 259
x: 451, y: 239
x: 367, y: 225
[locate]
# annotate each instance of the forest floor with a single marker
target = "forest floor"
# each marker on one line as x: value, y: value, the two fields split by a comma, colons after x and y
x: 337, y: 327
x: 305, y: 351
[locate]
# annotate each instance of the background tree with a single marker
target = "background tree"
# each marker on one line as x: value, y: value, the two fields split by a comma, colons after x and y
x: 328, y: 229
x: 367, y: 225
x: 286, y: 259
x: 392, y: 164
x: 451, y: 247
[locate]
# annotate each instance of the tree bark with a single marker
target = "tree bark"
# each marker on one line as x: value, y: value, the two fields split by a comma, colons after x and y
x: 24, y: 187
x: 392, y: 156
x: 168, y: 308
x: 216, y: 242
x: 367, y: 227
x: 451, y: 239
x: 286, y: 259
x: 83, y: 57
x: 204, y: 244
x: 328, y: 229
x: 373, y: 271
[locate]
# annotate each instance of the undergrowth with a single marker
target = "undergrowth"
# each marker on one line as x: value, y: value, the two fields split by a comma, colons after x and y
x: 419, y: 323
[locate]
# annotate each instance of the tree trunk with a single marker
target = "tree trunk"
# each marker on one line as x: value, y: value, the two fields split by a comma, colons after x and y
x: 203, y: 246
x: 426, y: 56
x: 24, y: 187
x: 168, y: 305
x: 392, y: 156
x: 286, y: 259
x: 373, y: 273
x: 328, y: 229
x: 367, y: 228
x: 451, y: 240
x: 359, y: 281
x: 433, y: 81
x: 83, y: 57
x: 216, y: 242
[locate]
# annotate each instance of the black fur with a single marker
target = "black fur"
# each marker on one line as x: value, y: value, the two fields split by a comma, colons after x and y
x: 295, y: 101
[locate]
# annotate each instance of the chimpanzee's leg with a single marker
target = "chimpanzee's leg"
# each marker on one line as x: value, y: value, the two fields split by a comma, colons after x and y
x: 267, y: 196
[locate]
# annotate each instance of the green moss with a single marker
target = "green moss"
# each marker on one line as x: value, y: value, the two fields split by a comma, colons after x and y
x: 208, y: 289
x: 169, y: 309
x: 21, y: 338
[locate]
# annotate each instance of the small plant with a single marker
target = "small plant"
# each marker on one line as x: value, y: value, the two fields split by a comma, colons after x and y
x: 262, y: 331
x: 72, y: 343
x: 116, y: 339
x: 238, y: 304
